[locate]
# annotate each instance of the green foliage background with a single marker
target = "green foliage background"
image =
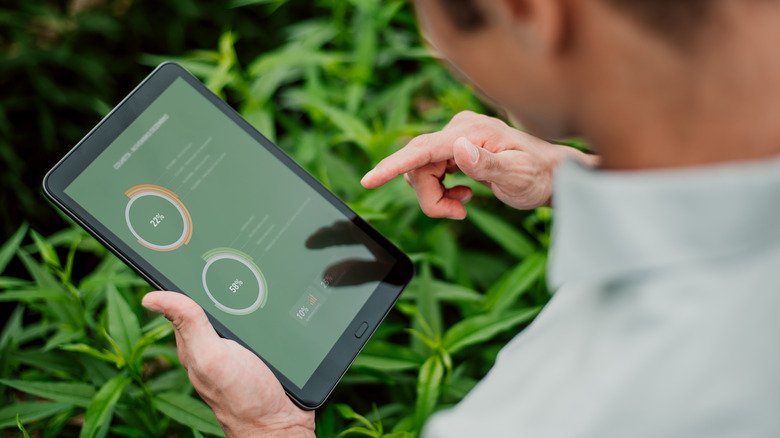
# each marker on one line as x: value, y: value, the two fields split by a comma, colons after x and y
x: 338, y: 85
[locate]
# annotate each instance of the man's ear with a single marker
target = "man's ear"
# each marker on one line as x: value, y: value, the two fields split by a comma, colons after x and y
x: 545, y: 24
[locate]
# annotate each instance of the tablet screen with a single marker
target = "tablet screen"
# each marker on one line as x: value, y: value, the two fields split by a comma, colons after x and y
x: 212, y: 209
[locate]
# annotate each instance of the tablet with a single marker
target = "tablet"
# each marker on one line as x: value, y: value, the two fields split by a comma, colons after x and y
x: 191, y: 196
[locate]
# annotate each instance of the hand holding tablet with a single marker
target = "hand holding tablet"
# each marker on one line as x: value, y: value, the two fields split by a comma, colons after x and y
x: 192, y: 197
x: 244, y: 394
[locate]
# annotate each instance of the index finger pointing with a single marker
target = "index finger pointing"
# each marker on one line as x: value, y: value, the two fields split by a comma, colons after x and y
x: 421, y: 151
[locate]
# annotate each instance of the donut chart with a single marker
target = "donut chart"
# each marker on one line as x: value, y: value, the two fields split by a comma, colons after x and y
x: 233, y: 282
x: 157, y: 218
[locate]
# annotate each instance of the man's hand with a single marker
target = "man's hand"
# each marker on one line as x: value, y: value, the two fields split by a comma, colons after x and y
x: 516, y: 166
x: 245, y: 395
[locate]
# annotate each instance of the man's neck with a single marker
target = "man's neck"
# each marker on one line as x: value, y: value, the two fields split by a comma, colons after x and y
x: 658, y: 106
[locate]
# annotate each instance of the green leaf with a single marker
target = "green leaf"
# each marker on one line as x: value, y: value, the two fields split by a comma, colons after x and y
x: 428, y: 389
x: 45, y: 249
x: 98, y: 371
x: 445, y: 245
x: 28, y: 295
x: 123, y: 324
x: 128, y: 432
x: 352, y: 126
x: 398, y: 435
x: 67, y: 313
x: 101, y: 408
x: 78, y: 394
x: 189, y: 412
x: 221, y: 75
x: 165, y: 352
x: 366, y: 44
x: 386, y: 356
x: 448, y: 292
x: 431, y: 343
x: 155, y: 334
x: 10, y: 247
x: 63, y: 336
x: 174, y: 379
x: 11, y: 282
x: 507, y: 236
x: 32, y: 332
x: 481, y: 328
x: 29, y: 412
x: 53, y: 361
x: 12, y: 327
x: 460, y: 386
x: 21, y: 427
x: 359, y: 431
x: 429, y: 320
x: 386, y: 364
x: 92, y: 351
x: 512, y: 285
x: 348, y: 413
x: 40, y: 274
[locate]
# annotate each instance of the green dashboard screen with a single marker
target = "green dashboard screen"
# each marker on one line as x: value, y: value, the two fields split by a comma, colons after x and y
x: 234, y: 228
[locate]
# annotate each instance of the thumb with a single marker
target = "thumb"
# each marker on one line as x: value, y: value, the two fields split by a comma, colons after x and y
x: 188, y: 318
x: 476, y: 162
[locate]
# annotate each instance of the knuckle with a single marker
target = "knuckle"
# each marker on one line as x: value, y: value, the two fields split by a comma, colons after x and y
x: 465, y: 116
x: 485, y: 124
x: 420, y: 140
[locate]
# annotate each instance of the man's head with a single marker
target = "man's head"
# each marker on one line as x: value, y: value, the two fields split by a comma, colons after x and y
x: 531, y: 55
x: 651, y: 83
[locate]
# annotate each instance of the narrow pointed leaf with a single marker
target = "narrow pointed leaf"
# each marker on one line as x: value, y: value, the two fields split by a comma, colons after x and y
x: 428, y: 388
x: 45, y: 249
x: 504, y: 234
x: 512, y: 285
x: 189, y: 412
x: 481, y: 328
x: 29, y: 412
x: 78, y: 394
x: 29, y: 295
x: 101, y: 408
x: 20, y: 426
x: 123, y: 324
x: 8, y: 249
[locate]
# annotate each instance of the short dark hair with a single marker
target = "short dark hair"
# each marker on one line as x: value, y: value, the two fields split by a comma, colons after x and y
x: 672, y: 18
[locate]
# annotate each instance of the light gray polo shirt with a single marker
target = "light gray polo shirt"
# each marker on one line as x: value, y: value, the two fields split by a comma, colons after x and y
x: 666, y: 319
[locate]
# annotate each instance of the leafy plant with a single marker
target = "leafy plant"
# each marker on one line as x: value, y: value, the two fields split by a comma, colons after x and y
x: 340, y: 92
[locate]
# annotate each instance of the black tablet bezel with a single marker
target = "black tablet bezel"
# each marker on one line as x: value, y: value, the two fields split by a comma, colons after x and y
x: 323, y: 381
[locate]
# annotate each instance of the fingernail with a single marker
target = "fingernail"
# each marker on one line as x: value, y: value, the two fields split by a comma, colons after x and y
x: 466, y: 198
x: 367, y: 176
x: 151, y: 306
x: 473, y: 151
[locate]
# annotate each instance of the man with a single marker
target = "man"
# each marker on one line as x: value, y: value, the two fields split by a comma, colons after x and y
x: 667, y: 256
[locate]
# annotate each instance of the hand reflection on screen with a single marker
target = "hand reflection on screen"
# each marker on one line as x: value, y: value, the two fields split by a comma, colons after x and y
x: 350, y: 271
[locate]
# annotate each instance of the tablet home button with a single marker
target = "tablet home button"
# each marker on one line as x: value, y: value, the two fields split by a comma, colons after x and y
x: 361, y: 330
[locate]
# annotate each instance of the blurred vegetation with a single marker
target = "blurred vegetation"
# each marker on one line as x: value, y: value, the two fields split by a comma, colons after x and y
x: 338, y: 85
x: 65, y: 63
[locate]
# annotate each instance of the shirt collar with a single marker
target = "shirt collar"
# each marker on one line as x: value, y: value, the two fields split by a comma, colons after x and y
x: 610, y: 223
